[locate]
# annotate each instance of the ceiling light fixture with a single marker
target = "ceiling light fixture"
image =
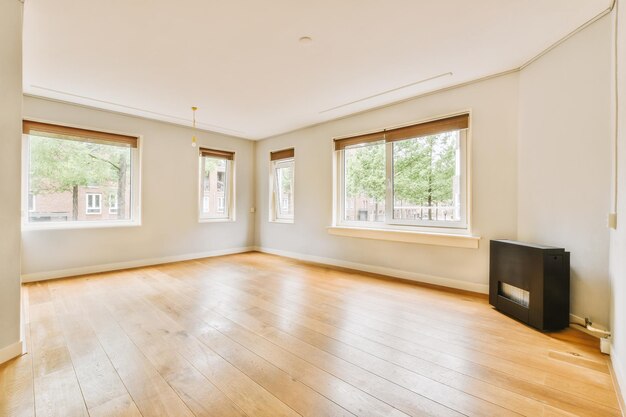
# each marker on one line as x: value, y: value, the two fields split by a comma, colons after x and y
x: 305, y: 39
x: 194, y: 141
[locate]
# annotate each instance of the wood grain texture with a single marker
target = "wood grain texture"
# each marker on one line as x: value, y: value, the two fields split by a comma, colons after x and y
x: 259, y: 335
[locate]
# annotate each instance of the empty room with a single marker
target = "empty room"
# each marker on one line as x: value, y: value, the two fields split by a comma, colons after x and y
x: 369, y: 208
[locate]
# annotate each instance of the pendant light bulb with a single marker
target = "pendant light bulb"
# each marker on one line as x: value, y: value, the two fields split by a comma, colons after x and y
x: 194, y: 141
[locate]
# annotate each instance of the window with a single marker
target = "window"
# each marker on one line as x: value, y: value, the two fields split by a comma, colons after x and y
x: 282, y: 185
x: 216, y: 184
x: 113, y: 207
x: 66, y: 166
x: 94, y: 203
x: 32, y: 206
x: 409, y: 176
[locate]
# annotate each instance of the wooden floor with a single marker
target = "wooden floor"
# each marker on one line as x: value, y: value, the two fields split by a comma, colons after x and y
x: 258, y: 335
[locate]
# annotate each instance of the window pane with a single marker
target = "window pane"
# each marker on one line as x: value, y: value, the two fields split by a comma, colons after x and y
x: 113, y: 203
x: 426, y: 174
x: 283, y: 176
x: 364, y: 183
x: 67, y: 178
x: 214, y: 192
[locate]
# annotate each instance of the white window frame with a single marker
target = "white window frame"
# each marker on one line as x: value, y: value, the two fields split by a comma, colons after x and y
x: 462, y: 227
x: 206, y: 203
x: 93, y: 209
x: 135, y: 186
x: 229, y: 194
x: 113, y: 209
x: 275, y: 215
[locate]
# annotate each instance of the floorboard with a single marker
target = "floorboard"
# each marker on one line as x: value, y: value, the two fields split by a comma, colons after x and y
x: 259, y: 335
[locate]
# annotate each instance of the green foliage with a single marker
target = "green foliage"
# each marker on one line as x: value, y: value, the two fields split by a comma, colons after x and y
x: 58, y: 165
x: 212, y: 164
x: 365, y: 171
x: 424, y: 169
x: 284, y: 180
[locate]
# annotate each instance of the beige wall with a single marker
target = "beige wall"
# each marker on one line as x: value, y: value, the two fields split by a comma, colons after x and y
x: 618, y: 236
x: 10, y: 150
x: 494, y: 177
x: 565, y: 160
x: 169, y: 182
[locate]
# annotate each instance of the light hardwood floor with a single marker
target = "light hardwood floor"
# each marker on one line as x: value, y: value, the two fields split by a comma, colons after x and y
x: 259, y: 335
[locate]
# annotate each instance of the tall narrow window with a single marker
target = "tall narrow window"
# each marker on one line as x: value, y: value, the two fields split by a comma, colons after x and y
x: 413, y: 176
x: 282, y: 184
x: 69, y: 169
x: 216, y: 184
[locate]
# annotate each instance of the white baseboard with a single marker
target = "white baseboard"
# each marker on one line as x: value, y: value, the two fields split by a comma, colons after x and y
x: 619, y: 378
x: 94, y: 269
x: 12, y: 351
x: 397, y: 273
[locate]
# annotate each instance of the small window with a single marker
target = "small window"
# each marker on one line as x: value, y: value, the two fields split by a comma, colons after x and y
x: 216, y: 184
x: 282, y: 185
x: 410, y: 176
x: 94, y: 203
x: 66, y: 166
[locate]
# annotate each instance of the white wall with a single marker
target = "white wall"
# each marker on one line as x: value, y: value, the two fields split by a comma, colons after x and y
x: 10, y: 149
x: 618, y: 237
x: 169, y: 198
x: 494, y: 152
x: 565, y: 160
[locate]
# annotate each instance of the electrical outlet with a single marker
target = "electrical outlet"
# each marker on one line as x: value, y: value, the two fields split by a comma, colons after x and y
x: 612, y: 220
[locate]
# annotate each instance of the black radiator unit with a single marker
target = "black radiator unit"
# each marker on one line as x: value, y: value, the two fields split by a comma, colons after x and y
x: 530, y: 283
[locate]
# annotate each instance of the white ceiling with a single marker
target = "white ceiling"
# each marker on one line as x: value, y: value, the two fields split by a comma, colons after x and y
x: 241, y: 62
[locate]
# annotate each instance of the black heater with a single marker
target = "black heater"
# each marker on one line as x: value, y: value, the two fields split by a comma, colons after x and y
x: 530, y: 283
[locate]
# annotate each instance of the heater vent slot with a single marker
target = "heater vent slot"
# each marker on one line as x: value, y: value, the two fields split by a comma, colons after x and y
x: 514, y: 294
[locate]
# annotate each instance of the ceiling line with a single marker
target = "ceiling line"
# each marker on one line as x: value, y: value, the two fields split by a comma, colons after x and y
x: 121, y: 113
x: 569, y: 35
x: 445, y: 74
x: 132, y: 108
x: 428, y: 93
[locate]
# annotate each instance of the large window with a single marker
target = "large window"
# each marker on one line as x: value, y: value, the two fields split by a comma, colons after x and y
x: 412, y: 176
x: 282, y: 185
x: 68, y: 171
x: 216, y: 184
